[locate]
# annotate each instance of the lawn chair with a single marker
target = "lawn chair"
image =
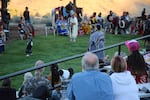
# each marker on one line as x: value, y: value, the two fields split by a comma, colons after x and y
x: 49, y: 27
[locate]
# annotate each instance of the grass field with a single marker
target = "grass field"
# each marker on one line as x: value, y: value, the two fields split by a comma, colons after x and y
x: 50, y: 49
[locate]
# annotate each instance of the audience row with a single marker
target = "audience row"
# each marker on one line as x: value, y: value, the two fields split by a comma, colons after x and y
x: 90, y: 84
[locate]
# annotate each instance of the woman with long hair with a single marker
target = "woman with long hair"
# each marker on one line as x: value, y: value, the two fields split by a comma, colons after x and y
x: 54, y: 75
x: 54, y: 78
x: 136, y: 63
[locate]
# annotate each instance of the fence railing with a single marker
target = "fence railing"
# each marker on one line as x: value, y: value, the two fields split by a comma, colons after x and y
x: 67, y: 58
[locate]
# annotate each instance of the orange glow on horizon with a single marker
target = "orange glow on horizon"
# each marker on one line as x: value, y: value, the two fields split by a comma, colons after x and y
x: 134, y: 7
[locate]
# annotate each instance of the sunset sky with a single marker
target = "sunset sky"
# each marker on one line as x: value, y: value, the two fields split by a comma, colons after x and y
x: 16, y: 7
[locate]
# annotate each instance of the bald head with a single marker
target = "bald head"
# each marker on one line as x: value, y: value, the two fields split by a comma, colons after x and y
x: 90, y: 61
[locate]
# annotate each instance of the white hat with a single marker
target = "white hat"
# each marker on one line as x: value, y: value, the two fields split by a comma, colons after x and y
x: 66, y: 74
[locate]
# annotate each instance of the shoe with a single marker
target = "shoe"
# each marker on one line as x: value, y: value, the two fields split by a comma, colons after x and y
x: 74, y: 40
x: 27, y: 55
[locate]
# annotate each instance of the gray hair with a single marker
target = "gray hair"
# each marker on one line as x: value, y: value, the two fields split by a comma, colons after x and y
x: 90, y: 61
x: 27, y: 76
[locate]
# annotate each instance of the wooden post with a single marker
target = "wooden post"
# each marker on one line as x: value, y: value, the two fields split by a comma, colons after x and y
x: 3, y: 9
x: 74, y: 2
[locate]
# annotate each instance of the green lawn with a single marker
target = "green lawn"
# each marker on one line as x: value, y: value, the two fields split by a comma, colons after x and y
x: 49, y: 49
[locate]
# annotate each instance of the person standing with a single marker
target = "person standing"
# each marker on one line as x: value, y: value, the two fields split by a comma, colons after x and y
x: 73, y: 26
x: 143, y: 14
x: 99, y: 19
x: 26, y: 15
x: 110, y: 19
x: 29, y: 46
x: 96, y: 42
x: 93, y: 22
x: 90, y: 84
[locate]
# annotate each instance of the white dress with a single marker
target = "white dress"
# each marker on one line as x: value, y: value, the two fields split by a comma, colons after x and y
x: 74, y: 30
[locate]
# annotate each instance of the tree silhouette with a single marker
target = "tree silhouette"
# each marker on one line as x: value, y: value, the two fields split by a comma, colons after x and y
x: 3, y: 9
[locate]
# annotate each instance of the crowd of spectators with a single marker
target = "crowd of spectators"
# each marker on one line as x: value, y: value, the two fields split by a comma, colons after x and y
x: 39, y: 86
x: 112, y: 23
x: 90, y: 84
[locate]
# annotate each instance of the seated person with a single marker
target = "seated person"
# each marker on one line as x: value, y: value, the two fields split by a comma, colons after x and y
x: 54, y: 78
x: 62, y: 26
x: 37, y: 80
x: 124, y: 85
x: 41, y: 92
x: 90, y: 84
x: 136, y: 63
x: 27, y: 77
x: 6, y: 92
x: 86, y: 25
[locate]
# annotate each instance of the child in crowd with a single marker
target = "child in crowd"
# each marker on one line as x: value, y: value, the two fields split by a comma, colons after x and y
x: 28, y: 50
